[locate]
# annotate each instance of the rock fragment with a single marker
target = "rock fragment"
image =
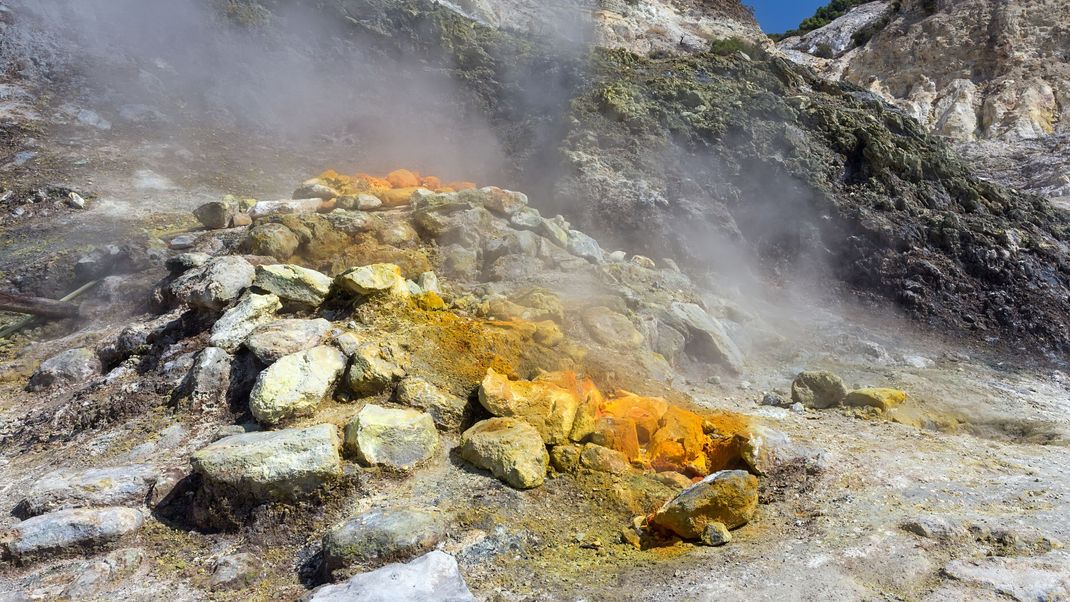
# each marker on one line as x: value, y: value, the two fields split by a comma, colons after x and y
x: 208, y: 379
x: 72, y: 367
x: 375, y: 367
x: 215, y: 284
x: 611, y: 328
x: 603, y: 459
x: 708, y: 337
x: 382, y: 535
x: 236, y: 571
x: 67, y: 531
x: 433, y: 577
x: 296, y: 384
x: 293, y: 283
x: 881, y: 398
x: 270, y: 465
x: 729, y: 497
x: 271, y: 341
x: 232, y: 328
x: 376, y: 279
x: 216, y: 215
x: 547, y: 407
x: 510, y: 449
x: 65, y: 489
x: 818, y: 389
x: 394, y: 438
x: 446, y: 410
x: 272, y: 240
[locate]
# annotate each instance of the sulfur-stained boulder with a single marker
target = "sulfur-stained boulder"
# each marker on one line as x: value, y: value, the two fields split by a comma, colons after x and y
x: 881, y: 398
x: 611, y: 328
x: 645, y: 412
x: 548, y: 407
x: 270, y: 465
x: 231, y: 329
x: 280, y: 338
x: 375, y: 367
x: 510, y: 449
x: 216, y: 215
x: 818, y: 389
x: 446, y: 410
x: 618, y: 434
x: 383, y: 534
x: 296, y: 384
x: 679, y: 443
x: 67, y: 531
x: 372, y: 280
x: 391, y: 437
x: 215, y: 284
x: 729, y: 497
x: 293, y: 283
x: 603, y: 459
x: 272, y: 240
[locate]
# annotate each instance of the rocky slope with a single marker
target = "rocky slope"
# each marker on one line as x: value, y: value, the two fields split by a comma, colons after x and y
x: 973, y: 71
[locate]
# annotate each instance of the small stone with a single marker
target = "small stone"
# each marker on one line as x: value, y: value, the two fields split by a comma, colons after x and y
x: 72, y: 367
x: 96, y: 575
x: 241, y: 220
x: 772, y: 399
x: 882, y: 399
x: 216, y: 215
x: 232, y: 328
x: 65, y: 489
x: 285, y: 207
x: 673, y: 479
x: 510, y: 449
x: 293, y: 283
x: 315, y: 189
x: 937, y: 528
x: 236, y: 571
x: 359, y: 202
x: 394, y: 438
x: 729, y: 497
x: 565, y: 458
x: 68, y: 531
x: 271, y: 341
x: 379, y: 535
x: 272, y: 240
x: 375, y: 367
x: 818, y: 389
x: 433, y: 577
x: 183, y: 241
x: 617, y: 257
x: 446, y: 410
x: 296, y: 384
x: 503, y: 202
x: 270, y: 465
x: 76, y: 200
x: 376, y: 279
x: 428, y: 283
x: 715, y: 534
x: 643, y: 262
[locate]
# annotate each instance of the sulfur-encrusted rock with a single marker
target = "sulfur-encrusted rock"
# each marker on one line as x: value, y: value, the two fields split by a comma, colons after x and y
x: 272, y: 240
x: 603, y: 459
x: 880, y: 398
x: 113, y: 486
x: 67, y: 531
x: 71, y: 367
x: 715, y: 534
x: 215, y: 284
x: 231, y: 329
x: 296, y: 384
x: 729, y: 497
x: 818, y: 389
x: 510, y: 449
x: 433, y: 577
x: 375, y: 279
x: 446, y: 410
x: 547, y: 407
x: 391, y: 437
x: 216, y: 215
x: 293, y: 283
x: 611, y: 328
x: 375, y: 367
x: 270, y: 465
x: 381, y: 535
x: 280, y: 338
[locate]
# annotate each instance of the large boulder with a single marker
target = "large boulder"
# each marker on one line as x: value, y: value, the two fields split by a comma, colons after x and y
x: 510, y: 449
x: 208, y: 380
x: 215, y: 284
x: 390, y: 437
x: 382, y: 535
x: 375, y: 367
x: 547, y: 407
x: 433, y: 577
x: 611, y: 328
x: 708, y: 339
x: 729, y: 497
x: 74, y: 366
x: 272, y: 240
x: 270, y: 465
x: 216, y: 215
x: 296, y: 384
x: 293, y: 283
x: 818, y: 389
x: 231, y: 329
x: 68, y: 531
x: 446, y: 410
x: 271, y: 341
x: 114, y: 486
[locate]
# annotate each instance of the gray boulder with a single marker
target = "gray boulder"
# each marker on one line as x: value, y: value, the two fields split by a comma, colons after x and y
x: 296, y: 384
x: 68, y: 531
x: 74, y: 366
x: 707, y: 337
x: 215, y: 284
x: 208, y: 379
x: 270, y: 465
x: 274, y: 340
x: 375, y: 367
x: 382, y: 535
x: 236, y: 571
x: 818, y: 389
x: 394, y: 438
x: 232, y: 328
x: 446, y: 410
x: 272, y: 240
x: 293, y: 283
x: 581, y: 245
x: 433, y: 577
x: 114, y: 486
x: 216, y: 215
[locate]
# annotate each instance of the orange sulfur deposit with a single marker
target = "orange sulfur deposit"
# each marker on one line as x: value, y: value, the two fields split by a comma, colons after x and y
x: 649, y: 431
x: 393, y: 189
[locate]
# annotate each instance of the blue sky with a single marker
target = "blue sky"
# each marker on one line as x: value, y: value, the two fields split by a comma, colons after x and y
x: 778, y: 16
